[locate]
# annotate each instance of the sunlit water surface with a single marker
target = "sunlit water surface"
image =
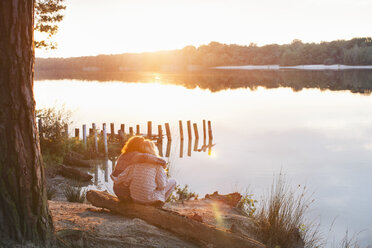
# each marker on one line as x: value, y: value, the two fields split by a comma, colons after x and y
x: 321, y: 139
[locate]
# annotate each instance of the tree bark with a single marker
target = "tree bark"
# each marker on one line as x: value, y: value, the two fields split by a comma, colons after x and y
x: 172, y: 221
x: 24, y: 214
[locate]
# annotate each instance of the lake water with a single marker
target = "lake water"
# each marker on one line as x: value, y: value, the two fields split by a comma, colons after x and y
x: 316, y: 127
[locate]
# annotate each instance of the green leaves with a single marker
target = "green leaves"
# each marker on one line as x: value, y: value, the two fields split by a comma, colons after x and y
x: 47, y: 14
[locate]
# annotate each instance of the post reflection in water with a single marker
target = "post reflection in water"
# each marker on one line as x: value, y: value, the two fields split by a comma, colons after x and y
x: 169, y: 143
x: 210, y: 147
x: 96, y: 174
x: 113, y: 162
x: 160, y: 148
x: 196, y: 145
x: 181, y: 148
x: 105, y: 166
x: 189, y: 148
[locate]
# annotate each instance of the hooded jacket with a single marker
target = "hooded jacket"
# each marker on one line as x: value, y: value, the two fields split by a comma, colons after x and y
x: 142, y: 176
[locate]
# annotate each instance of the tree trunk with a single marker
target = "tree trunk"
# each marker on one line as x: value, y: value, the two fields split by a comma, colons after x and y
x: 24, y: 214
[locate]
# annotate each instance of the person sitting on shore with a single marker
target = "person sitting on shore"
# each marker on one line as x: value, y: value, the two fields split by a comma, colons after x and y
x: 139, y: 174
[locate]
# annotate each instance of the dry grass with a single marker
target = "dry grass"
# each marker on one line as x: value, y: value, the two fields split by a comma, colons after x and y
x: 347, y: 241
x: 281, y: 220
x: 74, y: 194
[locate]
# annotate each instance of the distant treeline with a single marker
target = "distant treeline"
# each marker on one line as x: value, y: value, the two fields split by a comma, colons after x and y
x: 356, y: 81
x: 357, y: 51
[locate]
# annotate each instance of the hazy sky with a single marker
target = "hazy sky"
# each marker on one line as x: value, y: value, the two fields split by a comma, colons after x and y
x: 93, y: 27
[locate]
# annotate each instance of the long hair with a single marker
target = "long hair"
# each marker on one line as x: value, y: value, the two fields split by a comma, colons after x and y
x: 140, y: 144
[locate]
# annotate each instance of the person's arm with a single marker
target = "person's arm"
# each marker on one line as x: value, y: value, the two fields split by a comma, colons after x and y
x: 161, y: 178
x: 125, y: 177
x: 119, y: 168
x: 140, y: 158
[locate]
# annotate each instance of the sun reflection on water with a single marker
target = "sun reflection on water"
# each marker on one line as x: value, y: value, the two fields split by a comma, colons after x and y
x: 212, y: 154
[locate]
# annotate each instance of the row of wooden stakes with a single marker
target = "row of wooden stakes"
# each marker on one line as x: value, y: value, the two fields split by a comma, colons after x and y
x: 121, y: 135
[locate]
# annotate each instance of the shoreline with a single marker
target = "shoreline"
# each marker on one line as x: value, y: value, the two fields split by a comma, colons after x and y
x: 296, y: 67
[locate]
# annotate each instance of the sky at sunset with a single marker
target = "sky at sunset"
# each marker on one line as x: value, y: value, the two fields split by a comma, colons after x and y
x: 93, y: 27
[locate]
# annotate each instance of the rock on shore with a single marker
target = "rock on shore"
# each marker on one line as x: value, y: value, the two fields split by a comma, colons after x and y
x: 82, y: 225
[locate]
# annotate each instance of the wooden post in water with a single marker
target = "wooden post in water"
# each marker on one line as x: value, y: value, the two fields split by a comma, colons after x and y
x: 105, y: 165
x: 112, y: 128
x: 210, y: 130
x: 196, y: 131
x: 77, y: 133
x: 121, y: 137
x: 189, y: 130
x: 181, y: 129
x: 160, y: 148
x: 85, y: 136
x: 138, y: 130
x: 105, y: 137
x: 167, y: 130
x: 204, y: 133
x: 96, y: 174
x: 160, y: 134
x: 66, y: 130
x: 131, y: 131
x: 95, y: 136
x: 181, y: 149
x: 149, y: 129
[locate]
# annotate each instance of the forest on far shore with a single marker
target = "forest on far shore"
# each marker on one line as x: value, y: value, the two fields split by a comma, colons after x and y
x: 357, y: 51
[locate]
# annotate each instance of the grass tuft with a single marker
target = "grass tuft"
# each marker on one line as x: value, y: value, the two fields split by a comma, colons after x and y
x: 74, y: 194
x: 280, y: 217
x: 182, y: 194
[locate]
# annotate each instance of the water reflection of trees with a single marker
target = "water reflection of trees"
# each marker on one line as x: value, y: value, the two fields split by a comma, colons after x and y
x: 356, y: 81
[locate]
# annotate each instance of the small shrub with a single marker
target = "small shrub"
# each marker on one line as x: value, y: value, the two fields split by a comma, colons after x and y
x: 182, y: 194
x: 73, y: 144
x: 74, y: 194
x: 53, y: 139
x: 50, y: 158
x: 51, y: 192
x: 247, y: 204
x: 54, y: 143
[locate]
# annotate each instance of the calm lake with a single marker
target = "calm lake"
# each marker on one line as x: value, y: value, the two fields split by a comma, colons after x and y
x: 315, y: 127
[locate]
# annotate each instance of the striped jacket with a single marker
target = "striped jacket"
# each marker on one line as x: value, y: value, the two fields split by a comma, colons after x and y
x: 145, y: 177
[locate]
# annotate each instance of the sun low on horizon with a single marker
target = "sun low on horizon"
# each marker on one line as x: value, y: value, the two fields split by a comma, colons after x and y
x: 113, y: 27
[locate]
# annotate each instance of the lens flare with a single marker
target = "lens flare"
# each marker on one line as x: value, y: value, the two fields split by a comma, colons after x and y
x: 217, y: 213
